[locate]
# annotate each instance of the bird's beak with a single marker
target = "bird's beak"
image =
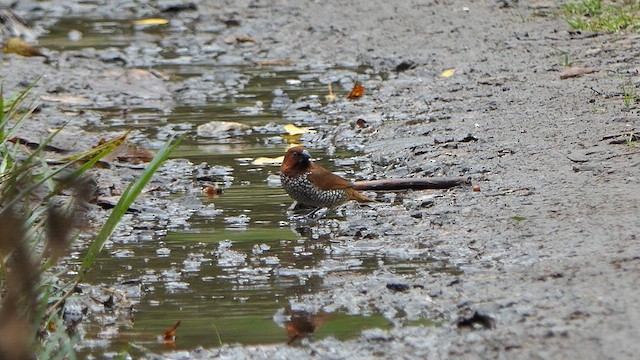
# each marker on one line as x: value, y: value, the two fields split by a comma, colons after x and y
x: 306, y: 155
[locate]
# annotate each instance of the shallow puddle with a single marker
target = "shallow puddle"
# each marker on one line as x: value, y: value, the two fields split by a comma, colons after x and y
x: 232, y: 270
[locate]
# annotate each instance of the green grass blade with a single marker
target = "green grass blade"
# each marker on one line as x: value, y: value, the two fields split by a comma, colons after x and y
x: 127, y: 198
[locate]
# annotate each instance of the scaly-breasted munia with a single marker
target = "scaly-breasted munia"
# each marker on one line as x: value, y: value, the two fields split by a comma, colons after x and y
x: 310, y: 184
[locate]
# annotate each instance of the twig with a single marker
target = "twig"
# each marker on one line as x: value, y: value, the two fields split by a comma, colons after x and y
x: 412, y: 183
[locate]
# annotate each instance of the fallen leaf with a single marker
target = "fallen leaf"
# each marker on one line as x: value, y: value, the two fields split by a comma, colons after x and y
x: 130, y: 153
x: 576, y: 72
x: 447, y: 73
x: 356, y: 92
x: 268, y: 161
x: 20, y: 47
x: 518, y: 218
x: 150, y: 21
x: 361, y: 123
x: 295, y: 130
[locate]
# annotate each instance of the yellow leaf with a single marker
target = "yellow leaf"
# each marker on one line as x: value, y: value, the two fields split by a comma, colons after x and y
x: 447, y: 73
x: 294, y: 130
x: 268, y: 161
x: 20, y: 47
x: 151, y: 21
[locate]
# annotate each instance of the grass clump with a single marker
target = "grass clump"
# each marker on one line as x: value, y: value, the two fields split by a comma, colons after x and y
x: 606, y: 16
x: 41, y: 207
x: 629, y: 95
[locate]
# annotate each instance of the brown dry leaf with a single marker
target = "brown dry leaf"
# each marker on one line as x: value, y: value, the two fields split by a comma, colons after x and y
x: 133, y: 154
x: 356, y: 92
x: 126, y: 152
x: 361, y: 123
x: 576, y: 72
x: 20, y: 47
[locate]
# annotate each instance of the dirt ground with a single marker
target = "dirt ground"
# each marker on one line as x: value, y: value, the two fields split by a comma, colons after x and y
x: 547, y: 252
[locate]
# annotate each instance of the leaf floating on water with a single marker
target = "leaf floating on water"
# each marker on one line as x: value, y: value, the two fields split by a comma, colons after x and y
x: 268, y: 161
x: 447, y: 73
x: 20, y: 47
x: 295, y: 130
x: 518, y: 218
x: 150, y: 22
x: 356, y: 92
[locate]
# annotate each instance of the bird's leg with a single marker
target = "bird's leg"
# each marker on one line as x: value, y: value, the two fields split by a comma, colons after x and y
x: 301, y: 211
x: 317, y: 213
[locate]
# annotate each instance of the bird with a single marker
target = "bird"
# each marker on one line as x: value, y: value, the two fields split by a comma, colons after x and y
x: 310, y: 184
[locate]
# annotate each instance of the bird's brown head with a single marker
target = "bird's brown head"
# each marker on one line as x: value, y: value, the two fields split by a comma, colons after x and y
x: 296, y: 161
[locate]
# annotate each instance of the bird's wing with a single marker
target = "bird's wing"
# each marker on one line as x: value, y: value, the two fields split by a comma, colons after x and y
x: 326, y: 180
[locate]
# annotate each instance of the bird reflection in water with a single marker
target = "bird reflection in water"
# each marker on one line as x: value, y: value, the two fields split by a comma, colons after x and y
x: 303, y: 324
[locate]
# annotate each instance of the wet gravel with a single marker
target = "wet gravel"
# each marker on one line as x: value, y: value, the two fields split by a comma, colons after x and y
x: 541, y: 263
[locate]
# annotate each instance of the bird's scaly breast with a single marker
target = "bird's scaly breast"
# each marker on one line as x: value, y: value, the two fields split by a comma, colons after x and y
x: 303, y: 191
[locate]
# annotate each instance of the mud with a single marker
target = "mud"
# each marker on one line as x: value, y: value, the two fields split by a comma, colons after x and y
x: 541, y: 263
